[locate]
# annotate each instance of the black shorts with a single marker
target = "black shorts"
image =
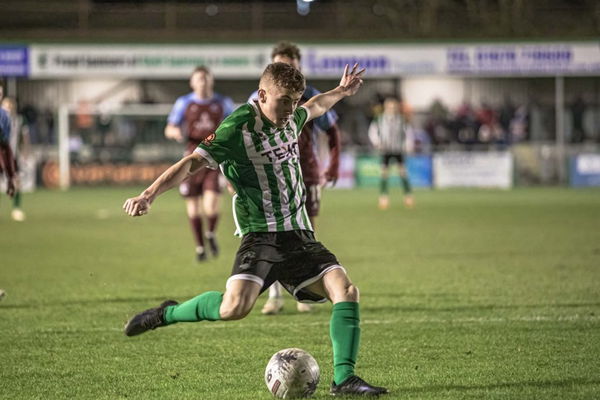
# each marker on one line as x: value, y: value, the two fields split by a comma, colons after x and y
x: 293, y: 258
x: 386, y: 157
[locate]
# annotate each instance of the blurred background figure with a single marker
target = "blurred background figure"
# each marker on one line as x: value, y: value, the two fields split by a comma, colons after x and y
x: 193, y: 119
x: 389, y: 135
x: 7, y: 160
x: 20, y: 146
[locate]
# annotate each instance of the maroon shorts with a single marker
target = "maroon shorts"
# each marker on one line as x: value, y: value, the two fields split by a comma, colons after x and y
x: 204, y: 180
x: 313, y: 199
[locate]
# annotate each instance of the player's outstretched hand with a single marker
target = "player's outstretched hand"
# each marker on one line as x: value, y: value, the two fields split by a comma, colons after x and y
x: 137, y: 206
x: 351, y: 80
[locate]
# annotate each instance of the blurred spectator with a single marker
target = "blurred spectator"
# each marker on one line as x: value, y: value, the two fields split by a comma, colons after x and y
x: 465, y: 124
x: 578, y: 108
x: 437, y: 122
x: 519, y: 125
x: 506, y: 113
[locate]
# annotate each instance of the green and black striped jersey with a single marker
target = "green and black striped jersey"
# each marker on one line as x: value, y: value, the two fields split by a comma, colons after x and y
x: 262, y: 163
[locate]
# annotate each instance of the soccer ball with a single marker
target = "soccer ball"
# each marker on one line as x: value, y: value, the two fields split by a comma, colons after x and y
x: 292, y: 373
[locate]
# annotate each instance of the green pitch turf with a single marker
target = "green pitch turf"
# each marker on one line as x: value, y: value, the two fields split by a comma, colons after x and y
x: 472, y: 294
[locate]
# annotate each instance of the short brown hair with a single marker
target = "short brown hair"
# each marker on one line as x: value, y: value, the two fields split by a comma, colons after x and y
x: 285, y: 76
x: 202, y: 68
x: 287, y: 49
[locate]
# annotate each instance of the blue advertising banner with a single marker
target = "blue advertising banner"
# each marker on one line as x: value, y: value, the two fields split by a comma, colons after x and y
x: 14, y: 60
x: 368, y: 171
x: 584, y: 170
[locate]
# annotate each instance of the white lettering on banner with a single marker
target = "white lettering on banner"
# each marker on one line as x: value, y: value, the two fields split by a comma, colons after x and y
x: 376, y: 63
x: 473, y: 169
x: 588, y: 164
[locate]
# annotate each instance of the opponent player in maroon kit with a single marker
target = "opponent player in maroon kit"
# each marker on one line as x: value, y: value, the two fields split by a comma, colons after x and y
x: 195, y: 117
x: 313, y: 176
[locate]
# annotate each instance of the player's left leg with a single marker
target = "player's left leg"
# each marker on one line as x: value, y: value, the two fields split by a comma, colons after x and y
x: 408, y: 198
x: 210, y: 204
x: 344, y: 331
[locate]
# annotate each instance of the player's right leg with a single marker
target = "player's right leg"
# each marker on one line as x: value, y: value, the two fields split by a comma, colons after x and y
x: 235, y: 303
x: 250, y: 268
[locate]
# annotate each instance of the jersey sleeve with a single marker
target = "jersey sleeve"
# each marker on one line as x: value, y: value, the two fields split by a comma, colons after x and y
x: 218, y: 147
x: 301, y: 115
x: 178, y: 111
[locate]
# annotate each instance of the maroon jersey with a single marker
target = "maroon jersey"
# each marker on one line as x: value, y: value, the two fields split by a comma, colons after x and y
x: 199, y: 119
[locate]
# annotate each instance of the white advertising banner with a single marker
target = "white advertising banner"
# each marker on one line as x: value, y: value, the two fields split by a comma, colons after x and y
x: 319, y: 60
x: 379, y: 60
x: 146, y: 61
x: 473, y: 169
x: 529, y: 59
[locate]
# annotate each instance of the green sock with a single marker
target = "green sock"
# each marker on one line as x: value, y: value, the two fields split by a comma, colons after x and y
x: 204, y: 307
x: 405, y: 185
x: 383, y: 186
x: 344, y: 330
x: 17, y: 200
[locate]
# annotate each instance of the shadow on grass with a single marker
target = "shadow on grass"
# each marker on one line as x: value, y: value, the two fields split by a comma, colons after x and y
x: 502, y: 385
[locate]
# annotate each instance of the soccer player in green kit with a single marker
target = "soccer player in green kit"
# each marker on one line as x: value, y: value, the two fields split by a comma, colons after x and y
x: 256, y: 148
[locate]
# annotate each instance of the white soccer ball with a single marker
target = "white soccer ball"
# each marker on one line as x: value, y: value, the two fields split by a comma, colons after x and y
x: 292, y: 373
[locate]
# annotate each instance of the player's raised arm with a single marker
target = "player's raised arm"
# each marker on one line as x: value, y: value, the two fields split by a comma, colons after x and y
x: 174, y: 175
x: 349, y: 84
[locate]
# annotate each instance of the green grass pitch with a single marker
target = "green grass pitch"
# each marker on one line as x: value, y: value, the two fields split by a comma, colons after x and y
x: 472, y: 294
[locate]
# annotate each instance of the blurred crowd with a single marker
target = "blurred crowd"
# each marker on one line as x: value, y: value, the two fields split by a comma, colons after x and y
x: 482, y: 125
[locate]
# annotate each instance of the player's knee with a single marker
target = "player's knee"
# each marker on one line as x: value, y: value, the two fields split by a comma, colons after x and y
x: 347, y: 292
x: 351, y: 293
x: 233, y: 310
